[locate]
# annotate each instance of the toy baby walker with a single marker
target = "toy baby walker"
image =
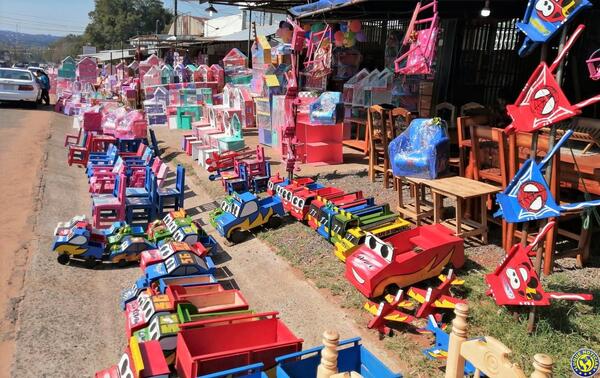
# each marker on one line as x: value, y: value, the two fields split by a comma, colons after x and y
x: 542, y: 102
x: 544, y: 18
x: 527, y: 197
x: 516, y: 283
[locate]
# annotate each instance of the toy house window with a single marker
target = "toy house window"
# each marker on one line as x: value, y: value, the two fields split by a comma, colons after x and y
x: 249, y: 209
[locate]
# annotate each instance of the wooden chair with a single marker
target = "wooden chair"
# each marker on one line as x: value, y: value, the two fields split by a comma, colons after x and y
x: 447, y: 112
x: 471, y: 107
x: 73, y: 139
x: 488, y: 355
x: 381, y: 123
x: 463, y: 125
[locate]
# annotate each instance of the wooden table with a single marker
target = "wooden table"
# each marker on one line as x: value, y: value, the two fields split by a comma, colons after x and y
x: 420, y: 208
x: 461, y: 189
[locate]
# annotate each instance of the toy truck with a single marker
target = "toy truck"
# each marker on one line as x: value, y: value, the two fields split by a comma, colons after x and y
x: 140, y: 360
x: 315, y: 210
x: 276, y: 182
x: 133, y: 292
x: 403, y: 259
x: 176, y: 225
x: 352, y: 357
x: 355, y: 237
x: 328, y: 213
x: 344, y: 221
x: 301, y: 202
x: 298, y: 185
x: 209, y: 346
x: 138, y: 314
x: 241, y: 213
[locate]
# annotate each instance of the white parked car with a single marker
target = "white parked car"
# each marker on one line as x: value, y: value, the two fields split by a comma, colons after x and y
x: 18, y: 85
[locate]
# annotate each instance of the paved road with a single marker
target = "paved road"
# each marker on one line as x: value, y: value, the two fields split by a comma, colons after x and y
x: 67, y: 318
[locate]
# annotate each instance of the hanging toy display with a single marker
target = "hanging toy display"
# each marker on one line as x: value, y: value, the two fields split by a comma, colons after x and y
x: 516, y: 283
x: 421, y: 43
x: 544, y: 18
x: 542, y: 102
x: 527, y: 197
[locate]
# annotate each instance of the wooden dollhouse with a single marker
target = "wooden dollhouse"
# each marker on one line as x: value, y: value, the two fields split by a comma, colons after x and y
x: 166, y: 74
x: 151, y: 79
x: 67, y: 69
x: 261, y: 62
x: 243, y: 100
x: 120, y: 70
x: 263, y: 120
x: 235, y: 64
x: 218, y: 74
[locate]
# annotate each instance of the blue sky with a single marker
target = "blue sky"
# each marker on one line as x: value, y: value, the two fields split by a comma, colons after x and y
x: 62, y: 17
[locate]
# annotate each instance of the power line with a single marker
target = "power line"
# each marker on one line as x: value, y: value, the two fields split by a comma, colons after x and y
x: 32, y: 18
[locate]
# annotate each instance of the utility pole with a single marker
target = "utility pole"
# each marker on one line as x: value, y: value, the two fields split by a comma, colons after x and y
x: 175, y: 24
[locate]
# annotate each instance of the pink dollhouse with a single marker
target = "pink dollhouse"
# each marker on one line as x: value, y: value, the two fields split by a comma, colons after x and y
x: 243, y: 100
x: 87, y: 70
x: 150, y: 80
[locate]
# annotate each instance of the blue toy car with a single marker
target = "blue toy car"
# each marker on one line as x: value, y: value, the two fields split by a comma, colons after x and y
x: 180, y: 264
x: 77, y: 244
x: 240, y: 213
x: 129, y: 249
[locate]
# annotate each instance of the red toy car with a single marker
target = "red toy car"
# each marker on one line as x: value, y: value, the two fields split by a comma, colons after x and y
x: 287, y: 193
x: 403, y: 259
x: 154, y: 256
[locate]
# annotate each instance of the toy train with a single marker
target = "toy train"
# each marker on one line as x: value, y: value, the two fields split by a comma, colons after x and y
x: 122, y: 243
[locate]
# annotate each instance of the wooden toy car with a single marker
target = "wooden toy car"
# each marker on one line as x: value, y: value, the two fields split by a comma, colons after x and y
x: 164, y: 329
x: 117, y: 234
x: 248, y: 371
x: 302, y: 200
x: 129, y: 250
x: 355, y: 237
x: 179, y: 227
x: 77, y: 244
x: 346, y: 220
x: 133, y: 292
x: 140, y: 360
x: 154, y: 256
x: 329, y: 213
x: 297, y: 185
x: 403, y: 259
x: 138, y: 314
x: 180, y: 264
x: 212, y: 345
x: 316, y: 207
x: 352, y: 356
x: 276, y: 182
x: 241, y: 213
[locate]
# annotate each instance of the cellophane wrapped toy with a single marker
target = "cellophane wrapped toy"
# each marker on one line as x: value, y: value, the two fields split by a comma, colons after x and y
x: 422, y: 150
x: 328, y: 109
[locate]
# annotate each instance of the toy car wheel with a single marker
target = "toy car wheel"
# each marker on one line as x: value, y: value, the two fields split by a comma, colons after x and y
x: 63, y: 259
x: 91, y: 263
x: 274, y: 222
x: 238, y: 236
x: 122, y: 263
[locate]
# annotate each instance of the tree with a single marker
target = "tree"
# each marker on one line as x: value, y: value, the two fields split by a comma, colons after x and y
x: 70, y: 45
x: 115, y: 21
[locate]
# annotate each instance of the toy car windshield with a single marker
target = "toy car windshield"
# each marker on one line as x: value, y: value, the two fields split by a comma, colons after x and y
x: 378, y: 246
x: 165, y: 251
x: 125, y: 367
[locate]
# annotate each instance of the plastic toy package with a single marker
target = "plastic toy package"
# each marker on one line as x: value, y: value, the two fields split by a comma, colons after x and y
x: 422, y: 150
x: 327, y: 109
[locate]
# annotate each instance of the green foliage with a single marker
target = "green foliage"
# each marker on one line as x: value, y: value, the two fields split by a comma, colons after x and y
x: 70, y: 45
x: 115, y: 21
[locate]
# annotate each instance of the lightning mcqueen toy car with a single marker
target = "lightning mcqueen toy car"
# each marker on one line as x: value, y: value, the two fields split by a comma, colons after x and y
x: 403, y: 259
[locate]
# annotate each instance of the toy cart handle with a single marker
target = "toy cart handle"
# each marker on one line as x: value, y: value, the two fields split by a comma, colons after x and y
x: 593, y: 57
x: 354, y: 340
x: 229, y: 319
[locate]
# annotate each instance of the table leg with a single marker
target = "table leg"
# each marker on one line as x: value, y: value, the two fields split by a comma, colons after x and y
x: 484, y: 226
x: 437, y: 207
x: 417, y: 204
x: 459, y: 206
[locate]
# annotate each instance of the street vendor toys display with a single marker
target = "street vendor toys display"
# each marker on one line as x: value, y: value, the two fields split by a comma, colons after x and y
x: 422, y: 150
x: 516, y: 283
x: 544, y: 18
x: 420, y: 41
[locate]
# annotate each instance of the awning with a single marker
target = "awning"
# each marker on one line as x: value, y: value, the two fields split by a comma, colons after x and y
x: 320, y: 6
x: 242, y: 35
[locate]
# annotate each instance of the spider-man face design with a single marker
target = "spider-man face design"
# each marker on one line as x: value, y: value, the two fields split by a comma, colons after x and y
x: 532, y: 196
x: 552, y: 10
